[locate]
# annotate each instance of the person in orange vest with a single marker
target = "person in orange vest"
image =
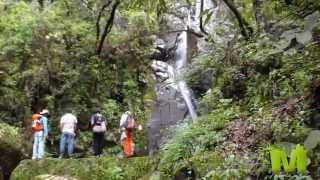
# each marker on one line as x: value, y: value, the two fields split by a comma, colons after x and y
x: 127, y: 123
x: 40, y: 133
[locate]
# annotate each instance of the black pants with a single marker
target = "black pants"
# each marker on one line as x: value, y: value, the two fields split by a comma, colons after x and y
x: 98, y: 143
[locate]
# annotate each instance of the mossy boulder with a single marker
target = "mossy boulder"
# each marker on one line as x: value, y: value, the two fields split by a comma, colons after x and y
x: 85, y: 168
x: 53, y: 177
x: 10, y: 149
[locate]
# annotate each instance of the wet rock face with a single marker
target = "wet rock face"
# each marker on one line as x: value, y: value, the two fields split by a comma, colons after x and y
x: 169, y: 108
x: 173, y: 50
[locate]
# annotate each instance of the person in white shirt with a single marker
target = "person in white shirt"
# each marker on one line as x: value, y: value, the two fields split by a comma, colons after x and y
x: 68, y: 124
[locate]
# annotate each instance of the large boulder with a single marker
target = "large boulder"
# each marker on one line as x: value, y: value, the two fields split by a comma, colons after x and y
x: 84, y: 168
x: 10, y: 149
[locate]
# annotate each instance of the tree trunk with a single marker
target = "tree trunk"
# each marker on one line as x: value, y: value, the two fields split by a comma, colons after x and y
x: 260, y: 18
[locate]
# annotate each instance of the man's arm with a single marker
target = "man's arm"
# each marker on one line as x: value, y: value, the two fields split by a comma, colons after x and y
x: 123, y: 121
x: 61, y: 124
x: 76, y: 130
x: 91, y: 122
x: 45, y: 126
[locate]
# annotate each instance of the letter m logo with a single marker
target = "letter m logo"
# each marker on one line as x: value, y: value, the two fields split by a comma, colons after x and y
x: 298, y: 158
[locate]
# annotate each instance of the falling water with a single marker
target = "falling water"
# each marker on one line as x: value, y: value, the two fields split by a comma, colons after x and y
x: 181, y: 61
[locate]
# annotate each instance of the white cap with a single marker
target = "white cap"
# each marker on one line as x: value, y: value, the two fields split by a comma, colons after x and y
x: 44, y: 111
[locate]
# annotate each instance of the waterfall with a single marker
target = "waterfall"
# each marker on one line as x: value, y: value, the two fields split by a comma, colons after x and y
x: 173, y: 97
x: 181, y: 61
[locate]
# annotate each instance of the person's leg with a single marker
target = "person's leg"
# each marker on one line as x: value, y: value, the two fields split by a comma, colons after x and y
x: 95, y: 144
x: 62, y: 144
x: 41, y: 146
x: 70, y: 145
x: 132, y: 147
x: 35, y: 146
x: 126, y: 144
x: 126, y: 147
x: 99, y: 143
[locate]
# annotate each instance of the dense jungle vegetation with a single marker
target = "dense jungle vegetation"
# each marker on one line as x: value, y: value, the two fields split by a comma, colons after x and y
x: 81, y: 54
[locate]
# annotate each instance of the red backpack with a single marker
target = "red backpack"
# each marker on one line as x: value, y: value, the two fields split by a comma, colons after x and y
x: 36, y: 123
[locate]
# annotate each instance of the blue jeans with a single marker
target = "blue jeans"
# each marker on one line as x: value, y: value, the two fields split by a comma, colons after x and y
x: 38, y: 145
x: 67, y: 138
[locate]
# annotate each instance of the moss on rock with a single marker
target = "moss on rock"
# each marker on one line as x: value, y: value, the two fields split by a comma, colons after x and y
x: 52, y: 177
x: 9, y: 137
x: 10, y: 149
x: 86, y: 168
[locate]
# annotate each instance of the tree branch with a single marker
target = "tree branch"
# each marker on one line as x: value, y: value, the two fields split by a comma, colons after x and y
x: 98, y: 20
x: 108, y: 27
x: 243, y: 24
x: 201, y: 18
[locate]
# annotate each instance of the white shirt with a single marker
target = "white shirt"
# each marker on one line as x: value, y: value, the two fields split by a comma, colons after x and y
x: 68, y: 123
x: 122, y: 124
x: 123, y: 119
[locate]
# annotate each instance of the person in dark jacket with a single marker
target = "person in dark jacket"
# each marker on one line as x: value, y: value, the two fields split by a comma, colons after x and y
x: 98, y: 124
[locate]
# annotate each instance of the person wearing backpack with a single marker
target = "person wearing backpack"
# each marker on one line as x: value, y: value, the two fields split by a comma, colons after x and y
x: 40, y: 133
x: 127, y: 123
x: 98, y: 122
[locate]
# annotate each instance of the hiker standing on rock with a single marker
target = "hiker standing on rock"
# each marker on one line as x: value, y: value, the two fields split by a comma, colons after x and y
x: 40, y: 133
x: 68, y: 124
x: 98, y: 122
x: 127, y: 123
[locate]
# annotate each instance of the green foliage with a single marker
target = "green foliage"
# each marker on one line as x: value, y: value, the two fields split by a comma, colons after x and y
x: 48, y: 61
x: 112, y: 110
x: 10, y: 137
x: 86, y: 168
x: 269, y: 84
x: 83, y: 141
x: 197, y: 140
